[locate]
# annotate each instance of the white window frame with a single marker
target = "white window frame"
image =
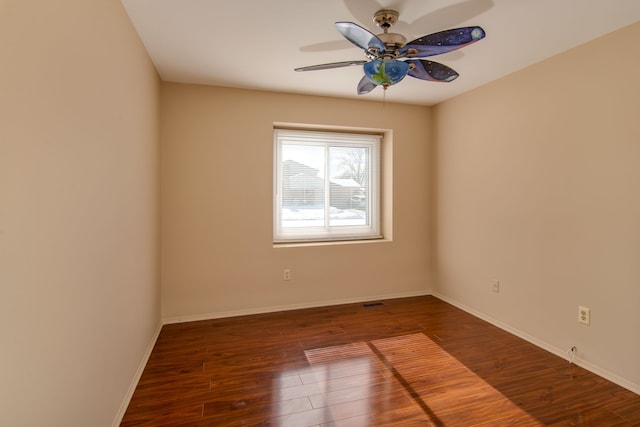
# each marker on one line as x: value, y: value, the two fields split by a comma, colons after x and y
x: 371, y: 230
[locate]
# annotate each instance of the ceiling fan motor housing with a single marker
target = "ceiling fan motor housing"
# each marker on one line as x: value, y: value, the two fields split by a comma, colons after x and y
x: 393, y: 40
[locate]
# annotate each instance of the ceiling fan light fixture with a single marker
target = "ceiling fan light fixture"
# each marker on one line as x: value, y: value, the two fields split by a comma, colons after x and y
x: 385, y: 72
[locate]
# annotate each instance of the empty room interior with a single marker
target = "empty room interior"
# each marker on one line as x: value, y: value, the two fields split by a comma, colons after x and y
x: 138, y: 209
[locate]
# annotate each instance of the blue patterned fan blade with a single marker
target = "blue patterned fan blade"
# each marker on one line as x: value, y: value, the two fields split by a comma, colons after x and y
x: 432, y: 71
x: 442, y: 42
x: 359, y: 36
x: 365, y: 86
x: 331, y: 65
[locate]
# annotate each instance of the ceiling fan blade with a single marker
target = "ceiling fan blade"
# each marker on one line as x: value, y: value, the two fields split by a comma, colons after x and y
x: 365, y: 86
x: 359, y: 36
x: 331, y: 65
x: 442, y: 42
x: 432, y: 71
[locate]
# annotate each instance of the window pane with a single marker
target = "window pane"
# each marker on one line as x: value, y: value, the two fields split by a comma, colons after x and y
x: 348, y: 178
x: 303, y: 185
x: 326, y: 186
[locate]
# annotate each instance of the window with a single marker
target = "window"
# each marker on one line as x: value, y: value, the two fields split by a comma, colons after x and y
x: 326, y: 186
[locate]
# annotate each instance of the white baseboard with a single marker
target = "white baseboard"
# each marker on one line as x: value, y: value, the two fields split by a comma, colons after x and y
x: 136, y: 378
x: 272, y: 309
x: 544, y: 345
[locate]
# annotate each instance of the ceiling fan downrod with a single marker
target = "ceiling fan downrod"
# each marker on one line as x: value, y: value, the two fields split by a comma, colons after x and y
x: 385, y: 19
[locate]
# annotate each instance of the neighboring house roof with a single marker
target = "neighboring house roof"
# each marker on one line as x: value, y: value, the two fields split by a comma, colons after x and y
x: 345, y: 182
x: 293, y: 168
x: 301, y: 175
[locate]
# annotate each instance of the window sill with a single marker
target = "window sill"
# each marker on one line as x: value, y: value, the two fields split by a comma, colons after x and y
x: 329, y: 243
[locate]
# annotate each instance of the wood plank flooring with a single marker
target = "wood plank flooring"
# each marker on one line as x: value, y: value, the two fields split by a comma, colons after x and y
x: 410, y: 362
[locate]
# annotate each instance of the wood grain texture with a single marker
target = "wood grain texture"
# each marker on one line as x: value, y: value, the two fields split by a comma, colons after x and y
x: 410, y: 362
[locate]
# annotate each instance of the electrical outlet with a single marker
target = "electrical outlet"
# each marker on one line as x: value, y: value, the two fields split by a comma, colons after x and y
x: 495, y: 286
x: 584, y: 315
x: 286, y: 274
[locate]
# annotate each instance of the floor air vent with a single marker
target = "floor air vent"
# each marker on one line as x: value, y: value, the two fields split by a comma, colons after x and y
x: 372, y: 304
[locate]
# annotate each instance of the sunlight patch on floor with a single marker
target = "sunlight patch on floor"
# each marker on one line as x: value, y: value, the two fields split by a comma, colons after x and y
x: 407, y: 377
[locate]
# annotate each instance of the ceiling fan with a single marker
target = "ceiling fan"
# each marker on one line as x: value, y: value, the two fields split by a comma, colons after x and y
x: 390, y: 58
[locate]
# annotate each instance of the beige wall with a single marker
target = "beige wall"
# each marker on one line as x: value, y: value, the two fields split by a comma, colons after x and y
x: 538, y: 186
x: 79, y: 299
x: 216, y: 205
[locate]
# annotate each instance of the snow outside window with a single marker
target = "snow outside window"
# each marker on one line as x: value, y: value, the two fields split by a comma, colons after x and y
x: 326, y: 186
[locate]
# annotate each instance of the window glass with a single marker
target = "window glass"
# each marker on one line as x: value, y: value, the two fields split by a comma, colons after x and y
x: 326, y: 186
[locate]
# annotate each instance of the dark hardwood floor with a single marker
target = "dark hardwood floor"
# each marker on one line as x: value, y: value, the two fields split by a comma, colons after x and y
x: 410, y: 362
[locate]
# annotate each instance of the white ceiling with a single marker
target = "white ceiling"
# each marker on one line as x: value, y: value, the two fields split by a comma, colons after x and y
x: 256, y: 44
